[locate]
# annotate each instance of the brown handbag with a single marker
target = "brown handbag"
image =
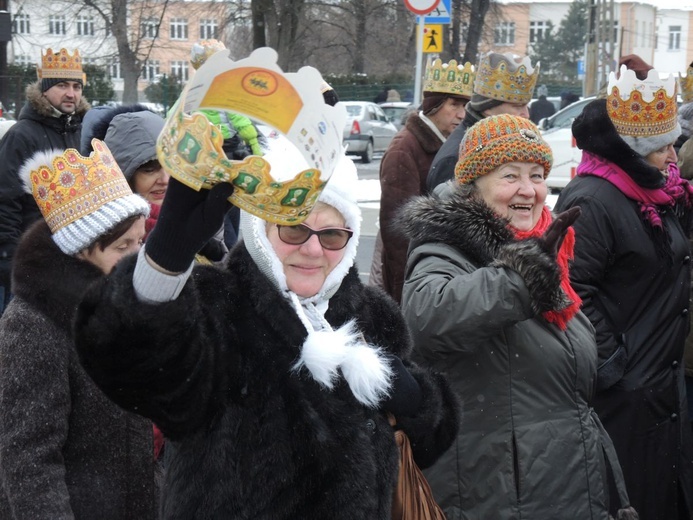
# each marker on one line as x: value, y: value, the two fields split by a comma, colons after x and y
x: 412, y: 499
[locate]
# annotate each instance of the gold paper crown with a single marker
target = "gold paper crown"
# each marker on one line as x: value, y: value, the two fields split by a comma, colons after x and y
x: 507, y: 79
x: 190, y: 144
x: 61, y: 66
x: 449, y: 78
x: 686, y: 83
x: 641, y: 108
x: 70, y: 186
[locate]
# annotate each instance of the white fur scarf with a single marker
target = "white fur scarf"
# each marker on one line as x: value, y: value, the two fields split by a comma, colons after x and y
x: 327, y: 352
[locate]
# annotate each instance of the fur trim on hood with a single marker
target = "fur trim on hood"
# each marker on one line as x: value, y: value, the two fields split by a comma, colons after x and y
x: 43, y: 107
x: 464, y: 221
x: 595, y: 133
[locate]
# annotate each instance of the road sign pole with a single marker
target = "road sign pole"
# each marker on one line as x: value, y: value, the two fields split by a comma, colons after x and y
x: 419, y: 59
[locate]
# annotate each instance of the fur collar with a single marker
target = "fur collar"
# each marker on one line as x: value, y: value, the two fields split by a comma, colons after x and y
x: 595, y: 133
x: 429, y: 141
x: 42, y: 106
x: 457, y: 219
x: 47, y: 278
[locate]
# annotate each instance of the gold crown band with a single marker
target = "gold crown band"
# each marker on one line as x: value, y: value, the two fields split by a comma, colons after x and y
x: 686, y: 83
x: 61, y: 65
x: 507, y: 81
x: 449, y: 78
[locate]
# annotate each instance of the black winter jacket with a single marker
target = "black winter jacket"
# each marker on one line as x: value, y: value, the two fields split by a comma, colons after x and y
x: 251, y: 437
x: 36, y: 129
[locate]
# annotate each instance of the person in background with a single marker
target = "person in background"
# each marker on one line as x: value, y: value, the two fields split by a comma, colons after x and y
x: 542, y: 107
x: 381, y: 96
x: 264, y: 375
x: 504, y: 84
x: 405, y: 164
x: 66, y: 450
x: 50, y: 119
x: 632, y: 271
x: 488, y: 298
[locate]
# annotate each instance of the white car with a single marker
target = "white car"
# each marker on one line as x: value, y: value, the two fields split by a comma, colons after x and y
x: 368, y: 129
x: 556, y: 131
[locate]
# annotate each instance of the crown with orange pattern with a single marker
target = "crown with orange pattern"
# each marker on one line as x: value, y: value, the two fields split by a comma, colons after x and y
x: 506, y: 78
x: 61, y: 66
x: 642, y: 108
x: 686, y: 85
x: 80, y: 198
x: 449, y: 78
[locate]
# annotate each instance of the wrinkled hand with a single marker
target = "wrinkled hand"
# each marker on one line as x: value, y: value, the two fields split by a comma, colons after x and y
x: 555, y: 233
x: 187, y: 221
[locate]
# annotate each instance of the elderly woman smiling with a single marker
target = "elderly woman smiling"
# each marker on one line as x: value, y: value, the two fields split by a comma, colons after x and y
x: 489, y: 301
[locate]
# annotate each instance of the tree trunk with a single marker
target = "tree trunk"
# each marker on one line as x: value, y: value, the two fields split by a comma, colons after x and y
x: 476, y: 27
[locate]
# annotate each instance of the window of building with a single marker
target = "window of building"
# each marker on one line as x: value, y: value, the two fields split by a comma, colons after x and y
x: 179, y: 29
x: 504, y: 33
x: 114, y: 69
x: 537, y: 31
x: 180, y: 69
x: 57, y: 24
x: 209, y: 30
x: 89, y: 61
x: 85, y: 25
x: 149, y: 28
x: 22, y: 60
x: 150, y: 70
x: 21, y: 24
x: 674, y: 37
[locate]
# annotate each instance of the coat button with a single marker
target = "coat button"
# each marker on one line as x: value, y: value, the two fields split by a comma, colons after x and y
x: 674, y: 364
x: 370, y: 425
x: 684, y: 312
x: 674, y: 417
x: 686, y: 259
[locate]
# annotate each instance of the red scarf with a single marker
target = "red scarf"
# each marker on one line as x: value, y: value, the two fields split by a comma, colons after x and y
x: 565, y: 254
x: 154, y: 210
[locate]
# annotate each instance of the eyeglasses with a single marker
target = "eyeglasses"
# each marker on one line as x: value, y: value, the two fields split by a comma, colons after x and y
x: 332, y: 239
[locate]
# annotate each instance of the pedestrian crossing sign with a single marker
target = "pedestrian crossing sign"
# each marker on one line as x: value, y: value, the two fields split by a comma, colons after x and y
x: 433, y: 38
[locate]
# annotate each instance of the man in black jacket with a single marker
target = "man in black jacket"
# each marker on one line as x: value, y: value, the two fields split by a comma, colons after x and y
x: 504, y: 84
x: 50, y: 119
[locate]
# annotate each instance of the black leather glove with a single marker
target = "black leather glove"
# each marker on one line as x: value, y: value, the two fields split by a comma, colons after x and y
x: 187, y: 221
x: 405, y: 395
x: 555, y: 233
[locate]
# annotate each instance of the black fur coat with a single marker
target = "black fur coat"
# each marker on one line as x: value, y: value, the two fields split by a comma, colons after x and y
x: 250, y: 437
x: 66, y: 450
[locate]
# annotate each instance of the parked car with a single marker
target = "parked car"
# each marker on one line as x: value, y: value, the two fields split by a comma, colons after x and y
x: 557, y: 132
x: 397, y: 112
x: 367, y: 130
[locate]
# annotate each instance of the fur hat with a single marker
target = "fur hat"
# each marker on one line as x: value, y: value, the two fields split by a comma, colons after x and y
x: 497, y: 140
x: 81, y: 198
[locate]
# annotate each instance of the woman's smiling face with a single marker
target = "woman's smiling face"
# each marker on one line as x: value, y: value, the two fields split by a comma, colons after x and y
x: 516, y: 191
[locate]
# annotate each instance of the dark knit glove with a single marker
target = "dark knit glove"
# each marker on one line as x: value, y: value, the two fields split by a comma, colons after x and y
x: 405, y: 395
x: 214, y: 250
x: 187, y: 221
x: 555, y: 233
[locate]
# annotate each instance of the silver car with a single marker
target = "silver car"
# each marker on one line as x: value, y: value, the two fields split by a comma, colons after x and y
x: 367, y: 130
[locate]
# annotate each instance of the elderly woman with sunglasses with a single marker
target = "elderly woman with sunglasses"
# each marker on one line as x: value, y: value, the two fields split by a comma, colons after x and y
x: 272, y: 377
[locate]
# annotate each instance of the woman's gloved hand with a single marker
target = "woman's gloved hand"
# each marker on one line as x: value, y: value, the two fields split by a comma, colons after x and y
x: 188, y: 220
x: 555, y: 233
x: 405, y: 395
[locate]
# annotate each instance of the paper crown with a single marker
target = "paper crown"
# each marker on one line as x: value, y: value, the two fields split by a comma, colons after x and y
x: 61, y: 66
x: 80, y: 198
x: 641, y: 108
x: 283, y: 185
x: 449, y: 78
x: 686, y: 85
x: 202, y: 50
x: 503, y: 78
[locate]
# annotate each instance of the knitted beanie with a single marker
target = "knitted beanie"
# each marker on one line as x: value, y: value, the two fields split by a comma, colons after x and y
x: 481, y: 103
x: 497, y: 140
x: 47, y: 83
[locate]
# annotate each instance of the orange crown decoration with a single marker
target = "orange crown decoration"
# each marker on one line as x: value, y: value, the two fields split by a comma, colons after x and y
x: 69, y: 188
x: 449, y: 78
x: 505, y: 78
x: 686, y: 83
x: 641, y: 108
x: 61, y: 66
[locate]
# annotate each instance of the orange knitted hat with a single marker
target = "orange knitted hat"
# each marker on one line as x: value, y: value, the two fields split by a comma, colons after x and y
x: 497, y: 140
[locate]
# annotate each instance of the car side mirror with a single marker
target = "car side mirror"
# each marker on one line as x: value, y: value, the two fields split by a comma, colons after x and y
x: 543, y: 123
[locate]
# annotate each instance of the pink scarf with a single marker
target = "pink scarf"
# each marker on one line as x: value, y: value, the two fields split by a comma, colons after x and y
x: 565, y: 254
x: 675, y: 190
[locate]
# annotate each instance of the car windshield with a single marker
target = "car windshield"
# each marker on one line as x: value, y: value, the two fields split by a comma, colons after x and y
x: 394, y: 111
x: 354, y: 110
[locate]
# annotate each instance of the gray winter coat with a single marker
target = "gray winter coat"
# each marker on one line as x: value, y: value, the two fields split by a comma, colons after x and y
x: 529, y: 445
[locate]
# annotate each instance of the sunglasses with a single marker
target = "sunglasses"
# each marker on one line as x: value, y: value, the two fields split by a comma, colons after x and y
x: 332, y: 239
